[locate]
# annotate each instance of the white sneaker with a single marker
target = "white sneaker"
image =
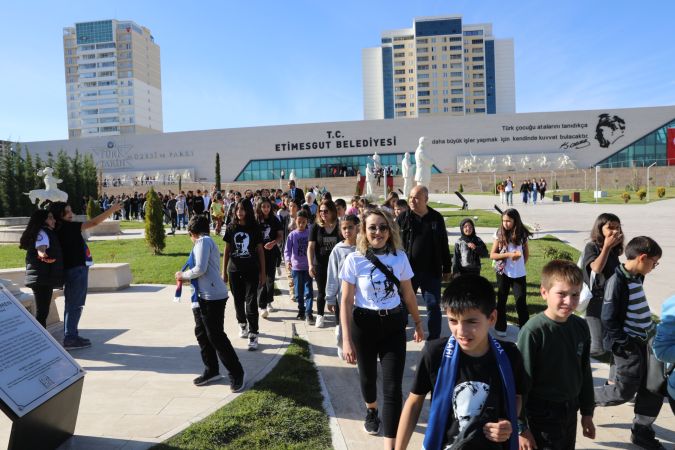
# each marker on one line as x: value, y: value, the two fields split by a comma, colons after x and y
x: 264, y: 313
x: 319, y: 322
x: 252, y: 342
x: 243, y: 330
x: 270, y: 308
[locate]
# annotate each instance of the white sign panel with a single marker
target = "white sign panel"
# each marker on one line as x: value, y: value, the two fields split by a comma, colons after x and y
x: 33, y: 366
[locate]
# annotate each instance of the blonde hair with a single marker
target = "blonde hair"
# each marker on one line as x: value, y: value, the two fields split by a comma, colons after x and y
x: 394, y: 240
x: 561, y: 270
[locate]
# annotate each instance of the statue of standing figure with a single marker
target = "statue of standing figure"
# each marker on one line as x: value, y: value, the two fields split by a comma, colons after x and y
x: 369, y: 180
x: 291, y: 177
x: 407, y: 174
x: 51, y: 191
x: 422, y: 165
x: 377, y: 163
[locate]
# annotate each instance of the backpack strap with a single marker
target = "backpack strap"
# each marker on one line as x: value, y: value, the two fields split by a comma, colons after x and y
x: 382, y: 268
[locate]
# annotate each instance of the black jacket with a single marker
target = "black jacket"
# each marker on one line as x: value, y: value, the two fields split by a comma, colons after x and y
x: 299, y: 195
x: 615, y: 308
x: 39, y: 273
x: 441, y: 252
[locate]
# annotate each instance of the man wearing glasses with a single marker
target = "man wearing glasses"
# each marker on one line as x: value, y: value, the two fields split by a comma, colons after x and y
x: 425, y: 240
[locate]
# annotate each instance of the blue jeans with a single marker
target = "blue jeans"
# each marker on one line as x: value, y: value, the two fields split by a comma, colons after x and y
x: 75, y: 292
x: 182, y: 220
x: 431, y: 293
x: 303, y: 289
x: 509, y: 198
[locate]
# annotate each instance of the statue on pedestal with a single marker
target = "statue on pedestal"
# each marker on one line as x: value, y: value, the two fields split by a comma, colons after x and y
x: 292, y: 175
x: 376, y: 162
x: 422, y: 165
x: 369, y: 180
x: 408, y: 175
x: 51, y: 191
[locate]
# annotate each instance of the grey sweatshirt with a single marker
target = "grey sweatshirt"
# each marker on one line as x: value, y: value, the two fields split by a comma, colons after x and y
x: 333, y: 283
x: 207, y: 270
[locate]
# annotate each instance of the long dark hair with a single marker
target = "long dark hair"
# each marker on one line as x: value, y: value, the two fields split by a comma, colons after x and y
x: 596, y: 232
x: 259, y: 215
x: 35, y: 224
x: 516, y: 235
x: 58, y: 209
x: 244, y: 203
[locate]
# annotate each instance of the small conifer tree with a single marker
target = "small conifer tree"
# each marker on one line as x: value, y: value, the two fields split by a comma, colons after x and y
x: 93, y: 209
x: 154, y: 222
x: 218, y: 171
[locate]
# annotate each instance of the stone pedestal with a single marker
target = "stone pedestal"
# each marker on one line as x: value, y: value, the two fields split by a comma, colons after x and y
x: 27, y: 300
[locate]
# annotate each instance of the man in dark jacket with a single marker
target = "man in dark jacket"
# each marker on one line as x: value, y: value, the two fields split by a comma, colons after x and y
x: 425, y: 240
x: 296, y: 193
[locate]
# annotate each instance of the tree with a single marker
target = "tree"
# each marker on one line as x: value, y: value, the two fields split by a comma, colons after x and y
x: 8, y: 182
x: 154, y: 222
x: 217, y: 171
x: 62, y: 170
x: 24, y: 208
x: 90, y: 176
x: 78, y: 183
x: 93, y: 209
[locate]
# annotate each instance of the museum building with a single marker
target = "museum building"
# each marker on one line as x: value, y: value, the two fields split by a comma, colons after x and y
x: 477, y: 143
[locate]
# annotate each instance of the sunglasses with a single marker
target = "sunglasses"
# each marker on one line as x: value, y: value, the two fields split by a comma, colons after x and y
x: 324, y: 211
x: 381, y: 228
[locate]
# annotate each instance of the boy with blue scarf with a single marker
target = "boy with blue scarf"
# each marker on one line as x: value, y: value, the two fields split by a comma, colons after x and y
x: 476, y: 382
x: 556, y: 346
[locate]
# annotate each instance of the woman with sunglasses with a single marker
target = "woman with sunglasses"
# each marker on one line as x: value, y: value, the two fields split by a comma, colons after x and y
x: 325, y: 235
x: 374, y: 320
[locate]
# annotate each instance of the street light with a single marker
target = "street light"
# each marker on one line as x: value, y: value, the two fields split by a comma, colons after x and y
x: 597, y: 167
x: 648, y: 181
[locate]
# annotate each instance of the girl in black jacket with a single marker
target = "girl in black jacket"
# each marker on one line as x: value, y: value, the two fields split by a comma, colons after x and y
x: 44, y: 261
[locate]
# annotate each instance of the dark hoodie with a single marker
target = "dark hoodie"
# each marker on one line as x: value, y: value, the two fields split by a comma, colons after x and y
x: 467, y: 260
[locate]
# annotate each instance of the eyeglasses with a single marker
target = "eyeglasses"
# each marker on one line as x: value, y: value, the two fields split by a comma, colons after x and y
x: 381, y: 228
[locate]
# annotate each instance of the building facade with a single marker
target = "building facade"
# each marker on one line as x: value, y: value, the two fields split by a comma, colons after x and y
x: 475, y: 143
x: 439, y: 67
x: 113, y: 79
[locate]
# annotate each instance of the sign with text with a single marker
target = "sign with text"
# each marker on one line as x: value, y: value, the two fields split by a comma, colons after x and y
x: 33, y: 366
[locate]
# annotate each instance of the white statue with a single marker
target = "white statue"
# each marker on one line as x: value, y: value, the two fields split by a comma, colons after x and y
x: 51, y: 191
x: 565, y: 162
x: 525, y: 162
x: 491, y: 165
x: 369, y: 180
x: 422, y: 165
x: 407, y: 174
x: 376, y: 162
x: 506, y: 160
x: 292, y: 175
x: 543, y: 162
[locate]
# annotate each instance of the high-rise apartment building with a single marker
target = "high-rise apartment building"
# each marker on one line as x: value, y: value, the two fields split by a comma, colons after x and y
x: 113, y: 79
x: 440, y: 66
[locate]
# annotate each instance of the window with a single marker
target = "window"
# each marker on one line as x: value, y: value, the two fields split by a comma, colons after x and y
x: 399, y: 55
x: 477, y: 50
x: 455, y: 74
x: 422, y: 40
x: 479, y: 110
x: 400, y: 113
x: 423, y: 76
x: 399, y: 105
x: 478, y: 67
x: 423, y: 67
x: 424, y: 110
x: 423, y: 50
x: 423, y: 84
x: 456, y: 100
x: 422, y: 58
x: 456, y: 91
x: 477, y: 76
x: 457, y: 48
x: 399, y: 71
x: 423, y: 93
x: 400, y: 97
x: 479, y: 93
x: 477, y: 59
x: 107, y: 73
x: 473, y: 33
x: 455, y: 57
x: 478, y: 84
x: 399, y: 88
x: 399, y: 46
x: 457, y: 109
x: 476, y: 41
x: 456, y: 83
x: 425, y: 102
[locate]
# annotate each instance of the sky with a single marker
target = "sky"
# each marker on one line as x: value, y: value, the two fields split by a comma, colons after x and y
x: 228, y: 64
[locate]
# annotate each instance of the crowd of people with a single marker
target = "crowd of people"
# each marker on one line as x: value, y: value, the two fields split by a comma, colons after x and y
x: 368, y: 262
x: 530, y: 190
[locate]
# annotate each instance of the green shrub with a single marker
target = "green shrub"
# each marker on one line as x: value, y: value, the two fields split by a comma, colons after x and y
x: 661, y: 192
x: 626, y: 197
x: 461, y: 188
x: 154, y: 222
x: 93, y: 209
x: 555, y: 253
x: 641, y: 194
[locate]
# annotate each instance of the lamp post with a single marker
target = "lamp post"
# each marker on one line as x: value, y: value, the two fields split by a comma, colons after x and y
x: 648, y: 181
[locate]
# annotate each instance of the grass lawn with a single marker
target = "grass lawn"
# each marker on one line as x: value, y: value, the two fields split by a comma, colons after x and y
x: 145, y: 267
x: 614, y: 196
x: 437, y: 205
x: 484, y: 218
x: 136, y: 225
x: 282, y: 411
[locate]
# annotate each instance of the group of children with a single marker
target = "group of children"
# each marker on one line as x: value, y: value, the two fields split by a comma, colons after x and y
x: 486, y: 393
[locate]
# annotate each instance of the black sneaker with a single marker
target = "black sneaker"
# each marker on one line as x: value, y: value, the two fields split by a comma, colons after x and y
x: 237, y: 384
x: 206, y: 378
x: 85, y: 340
x: 645, y: 437
x: 300, y: 317
x: 372, y: 423
x: 75, y: 343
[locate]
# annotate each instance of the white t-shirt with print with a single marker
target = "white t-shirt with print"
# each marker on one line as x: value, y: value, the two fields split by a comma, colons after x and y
x: 42, y: 239
x: 514, y: 269
x: 373, y: 289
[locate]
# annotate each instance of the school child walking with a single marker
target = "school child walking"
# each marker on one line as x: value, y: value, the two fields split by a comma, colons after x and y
x: 469, y: 249
x: 272, y: 234
x: 510, y: 253
x: 349, y: 228
x: 244, y: 267
x: 295, y: 255
x: 628, y: 328
x: 555, y: 346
